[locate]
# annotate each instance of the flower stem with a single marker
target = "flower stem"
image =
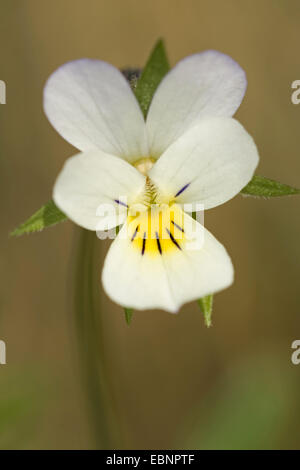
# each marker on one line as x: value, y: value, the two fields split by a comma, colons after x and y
x: 90, y: 343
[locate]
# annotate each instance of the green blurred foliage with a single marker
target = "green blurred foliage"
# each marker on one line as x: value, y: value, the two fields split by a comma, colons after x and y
x: 249, y: 408
x: 20, y: 408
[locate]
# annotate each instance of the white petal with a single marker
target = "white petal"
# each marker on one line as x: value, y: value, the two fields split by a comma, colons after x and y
x: 93, y: 189
x: 91, y: 105
x: 199, y: 86
x: 198, y: 266
x: 208, y: 165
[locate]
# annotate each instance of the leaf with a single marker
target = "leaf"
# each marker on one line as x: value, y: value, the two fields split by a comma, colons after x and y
x: 263, y: 187
x: 154, y: 71
x: 46, y: 216
x: 128, y: 315
x: 206, y: 304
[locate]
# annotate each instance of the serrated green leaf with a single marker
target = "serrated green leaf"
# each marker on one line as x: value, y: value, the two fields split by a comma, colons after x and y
x: 46, y: 216
x: 260, y: 186
x: 154, y: 71
x: 206, y: 304
x: 128, y: 315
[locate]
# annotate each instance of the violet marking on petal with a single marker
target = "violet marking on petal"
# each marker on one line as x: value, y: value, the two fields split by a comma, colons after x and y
x: 135, y: 232
x: 182, y: 189
x: 144, y: 243
x: 158, y: 243
x: 173, y: 239
x: 121, y: 203
x: 177, y: 226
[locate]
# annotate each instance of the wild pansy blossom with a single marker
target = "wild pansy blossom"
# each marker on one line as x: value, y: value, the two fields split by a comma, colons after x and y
x: 188, y: 153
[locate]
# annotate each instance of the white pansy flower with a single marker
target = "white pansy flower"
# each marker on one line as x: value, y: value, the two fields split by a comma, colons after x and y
x: 188, y: 151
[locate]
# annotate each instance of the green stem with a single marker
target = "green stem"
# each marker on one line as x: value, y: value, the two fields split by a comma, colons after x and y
x: 90, y: 344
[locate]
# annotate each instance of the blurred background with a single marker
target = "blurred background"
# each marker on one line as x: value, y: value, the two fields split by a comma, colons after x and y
x: 78, y: 377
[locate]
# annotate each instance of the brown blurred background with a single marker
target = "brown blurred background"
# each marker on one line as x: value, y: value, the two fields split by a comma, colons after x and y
x: 171, y: 382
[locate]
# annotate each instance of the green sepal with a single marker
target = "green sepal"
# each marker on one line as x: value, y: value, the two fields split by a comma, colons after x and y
x: 128, y: 315
x: 156, y: 68
x: 260, y: 186
x: 47, y: 215
x: 206, y: 305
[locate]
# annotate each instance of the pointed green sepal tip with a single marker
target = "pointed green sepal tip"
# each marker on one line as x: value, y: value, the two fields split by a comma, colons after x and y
x: 155, y: 69
x: 206, y: 305
x: 260, y: 186
x: 128, y: 315
x: 47, y: 215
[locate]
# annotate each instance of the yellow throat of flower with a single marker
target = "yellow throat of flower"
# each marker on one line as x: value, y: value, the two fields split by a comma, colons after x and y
x: 154, y: 227
x: 157, y: 230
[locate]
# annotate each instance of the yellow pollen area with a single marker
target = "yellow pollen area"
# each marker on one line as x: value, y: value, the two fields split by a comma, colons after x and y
x: 157, y: 230
x: 143, y: 165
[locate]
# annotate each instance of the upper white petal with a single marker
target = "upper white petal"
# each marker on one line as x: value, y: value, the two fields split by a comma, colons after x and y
x: 89, y: 185
x: 213, y: 161
x: 90, y: 103
x: 201, y: 85
x: 170, y: 279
